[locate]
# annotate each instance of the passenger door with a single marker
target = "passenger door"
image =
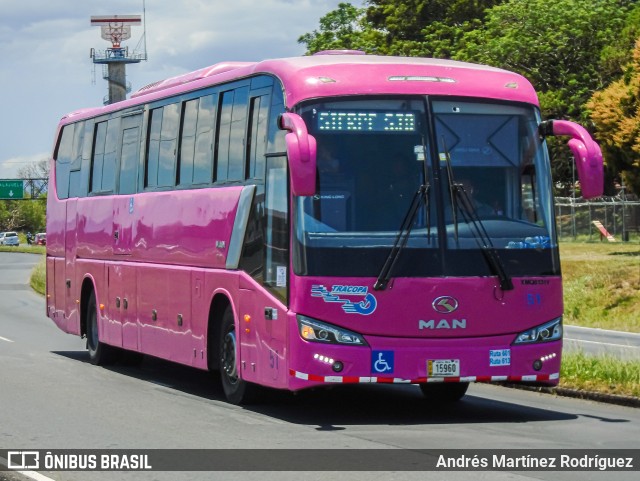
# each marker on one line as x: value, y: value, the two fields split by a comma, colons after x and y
x: 122, y: 276
x: 124, y: 207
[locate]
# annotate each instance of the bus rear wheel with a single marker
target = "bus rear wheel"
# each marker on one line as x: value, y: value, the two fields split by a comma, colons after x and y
x: 236, y: 390
x: 444, y: 392
x: 99, y: 352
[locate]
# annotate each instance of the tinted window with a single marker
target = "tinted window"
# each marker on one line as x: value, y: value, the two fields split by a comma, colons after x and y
x: 238, y: 133
x: 168, y: 145
x: 231, y: 134
x: 98, y: 157
x: 188, y: 141
x: 110, y: 156
x: 63, y: 162
x: 129, y: 154
x: 224, y: 134
x: 75, y: 179
x: 196, y: 144
x: 162, y: 146
x: 203, y: 155
x: 153, y: 148
x: 258, y: 136
x: 276, y: 141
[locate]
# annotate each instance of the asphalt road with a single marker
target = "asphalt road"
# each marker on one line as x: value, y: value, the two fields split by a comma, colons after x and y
x: 52, y: 398
x: 622, y: 345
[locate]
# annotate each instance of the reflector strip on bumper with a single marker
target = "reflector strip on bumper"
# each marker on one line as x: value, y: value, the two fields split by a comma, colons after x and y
x: 420, y: 380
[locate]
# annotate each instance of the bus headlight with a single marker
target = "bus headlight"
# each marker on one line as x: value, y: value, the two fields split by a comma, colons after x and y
x: 550, y: 331
x: 316, y: 331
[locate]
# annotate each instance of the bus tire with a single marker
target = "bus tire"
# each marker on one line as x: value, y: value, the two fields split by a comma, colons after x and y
x: 444, y: 392
x: 236, y: 390
x: 99, y: 352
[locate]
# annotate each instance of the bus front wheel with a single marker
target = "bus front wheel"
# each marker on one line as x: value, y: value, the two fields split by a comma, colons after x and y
x: 235, y: 389
x: 99, y: 352
x: 443, y: 393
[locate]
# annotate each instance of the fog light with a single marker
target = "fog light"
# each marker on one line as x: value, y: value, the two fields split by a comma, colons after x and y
x: 537, y: 365
x: 338, y: 366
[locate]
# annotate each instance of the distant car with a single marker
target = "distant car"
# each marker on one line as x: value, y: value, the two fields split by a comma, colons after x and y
x: 9, y: 239
x: 41, y: 239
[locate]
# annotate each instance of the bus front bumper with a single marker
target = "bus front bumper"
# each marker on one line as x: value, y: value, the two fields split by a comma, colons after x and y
x: 418, y: 361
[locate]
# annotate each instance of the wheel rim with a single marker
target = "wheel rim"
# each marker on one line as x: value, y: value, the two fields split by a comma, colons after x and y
x: 229, y: 357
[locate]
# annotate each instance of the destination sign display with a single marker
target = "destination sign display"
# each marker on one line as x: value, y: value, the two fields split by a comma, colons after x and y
x: 366, y: 121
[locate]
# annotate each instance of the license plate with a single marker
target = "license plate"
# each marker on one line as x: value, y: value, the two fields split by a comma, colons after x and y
x: 443, y: 367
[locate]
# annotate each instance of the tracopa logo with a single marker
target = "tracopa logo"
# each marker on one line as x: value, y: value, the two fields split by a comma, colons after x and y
x: 445, y: 304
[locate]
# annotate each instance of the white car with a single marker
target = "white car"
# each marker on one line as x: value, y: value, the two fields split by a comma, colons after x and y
x: 9, y: 239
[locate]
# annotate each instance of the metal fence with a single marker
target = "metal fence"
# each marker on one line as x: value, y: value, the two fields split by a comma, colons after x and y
x: 620, y: 215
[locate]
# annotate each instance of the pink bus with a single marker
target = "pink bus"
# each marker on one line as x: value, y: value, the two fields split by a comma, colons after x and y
x: 314, y: 221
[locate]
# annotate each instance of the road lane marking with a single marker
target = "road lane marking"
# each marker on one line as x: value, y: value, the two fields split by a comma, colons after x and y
x: 5, y: 339
x: 598, y: 329
x: 29, y: 474
x: 602, y: 343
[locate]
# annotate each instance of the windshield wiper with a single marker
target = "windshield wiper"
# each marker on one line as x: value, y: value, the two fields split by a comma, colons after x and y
x: 460, y: 199
x: 419, y: 198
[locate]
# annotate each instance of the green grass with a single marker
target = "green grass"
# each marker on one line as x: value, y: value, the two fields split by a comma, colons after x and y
x: 25, y: 248
x: 38, y: 279
x: 601, y: 285
x: 600, y: 373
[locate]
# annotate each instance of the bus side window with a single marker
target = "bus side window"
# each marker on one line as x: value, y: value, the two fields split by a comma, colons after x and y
x: 110, y: 156
x: 129, y: 154
x: 232, y: 131
x: 63, y: 161
x: 257, y: 136
x: 196, y: 141
x: 168, y: 145
x: 103, y: 169
x: 75, y: 174
x: 203, y: 154
x: 276, y: 243
x: 98, y: 156
x: 162, y: 146
x: 87, y: 150
x: 188, y: 142
x: 223, y: 135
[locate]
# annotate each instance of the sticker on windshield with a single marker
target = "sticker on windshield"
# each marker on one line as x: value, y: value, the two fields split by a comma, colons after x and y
x: 354, y: 299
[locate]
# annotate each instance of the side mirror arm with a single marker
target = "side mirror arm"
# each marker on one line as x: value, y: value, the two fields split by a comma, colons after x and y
x: 301, y: 153
x: 586, y: 153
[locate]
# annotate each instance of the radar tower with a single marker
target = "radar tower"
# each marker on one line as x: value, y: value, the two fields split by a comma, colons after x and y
x: 115, y: 29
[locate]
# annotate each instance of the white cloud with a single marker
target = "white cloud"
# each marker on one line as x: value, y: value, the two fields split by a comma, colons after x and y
x: 10, y: 167
x: 46, y: 70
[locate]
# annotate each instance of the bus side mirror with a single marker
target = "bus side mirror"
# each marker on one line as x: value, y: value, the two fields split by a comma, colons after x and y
x: 301, y: 152
x: 586, y: 153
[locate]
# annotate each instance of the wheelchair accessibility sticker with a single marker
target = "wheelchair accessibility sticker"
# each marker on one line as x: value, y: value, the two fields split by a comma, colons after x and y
x: 382, y: 362
x: 344, y: 295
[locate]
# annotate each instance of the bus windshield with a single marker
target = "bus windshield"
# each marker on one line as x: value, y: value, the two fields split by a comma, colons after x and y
x: 481, y: 167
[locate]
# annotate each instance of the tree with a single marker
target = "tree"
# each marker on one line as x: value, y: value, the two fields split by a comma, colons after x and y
x: 26, y: 215
x: 616, y: 113
x: 559, y: 47
x: 428, y: 28
x: 556, y: 45
x: 344, y: 28
x: 35, y: 170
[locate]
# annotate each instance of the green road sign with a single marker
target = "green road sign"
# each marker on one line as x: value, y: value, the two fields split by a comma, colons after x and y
x: 11, y: 189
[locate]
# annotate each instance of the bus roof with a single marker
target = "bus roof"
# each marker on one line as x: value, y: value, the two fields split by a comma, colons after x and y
x: 318, y: 76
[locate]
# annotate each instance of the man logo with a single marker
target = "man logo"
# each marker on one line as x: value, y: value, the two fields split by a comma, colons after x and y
x: 445, y: 304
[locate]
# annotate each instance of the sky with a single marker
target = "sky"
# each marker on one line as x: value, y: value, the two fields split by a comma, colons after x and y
x: 46, y: 71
